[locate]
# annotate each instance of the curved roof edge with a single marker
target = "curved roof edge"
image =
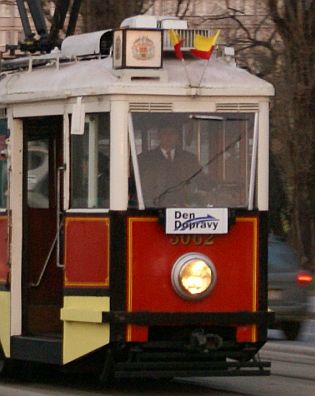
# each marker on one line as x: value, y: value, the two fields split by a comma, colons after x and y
x: 96, y: 77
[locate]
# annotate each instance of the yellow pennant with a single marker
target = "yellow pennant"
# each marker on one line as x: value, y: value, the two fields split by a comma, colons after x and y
x: 202, y: 43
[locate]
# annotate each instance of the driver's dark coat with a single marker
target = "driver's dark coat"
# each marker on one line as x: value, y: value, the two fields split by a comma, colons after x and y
x: 165, y: 182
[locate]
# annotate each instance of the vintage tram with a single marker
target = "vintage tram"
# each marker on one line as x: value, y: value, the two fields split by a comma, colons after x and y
x: 158, y: 264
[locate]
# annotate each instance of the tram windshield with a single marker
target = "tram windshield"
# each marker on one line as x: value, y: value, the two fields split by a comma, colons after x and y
x: 191, y: 159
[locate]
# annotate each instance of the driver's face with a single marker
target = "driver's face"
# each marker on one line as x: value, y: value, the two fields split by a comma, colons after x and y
x: 168, y: 138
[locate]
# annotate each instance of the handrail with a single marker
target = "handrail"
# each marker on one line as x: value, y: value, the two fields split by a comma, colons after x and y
x: 36, y: 284
x: 56, y: 241
x: 59, y: 223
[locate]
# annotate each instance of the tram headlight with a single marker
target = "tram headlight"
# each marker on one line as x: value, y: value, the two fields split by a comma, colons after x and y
x: 193, y: 276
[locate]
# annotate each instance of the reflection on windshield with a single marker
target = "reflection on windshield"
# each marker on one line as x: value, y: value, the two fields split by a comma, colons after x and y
x: 37, y: 174
x: 193, y: 160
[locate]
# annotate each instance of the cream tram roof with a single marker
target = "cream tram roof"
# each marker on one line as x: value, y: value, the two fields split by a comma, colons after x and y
x: 97, y: 77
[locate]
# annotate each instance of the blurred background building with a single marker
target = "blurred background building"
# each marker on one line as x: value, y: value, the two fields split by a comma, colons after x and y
x: 199, y: 13
x: 10, y: 24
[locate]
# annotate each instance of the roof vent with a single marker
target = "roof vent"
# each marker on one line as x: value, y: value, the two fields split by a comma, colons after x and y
x: 187, y: 35
x: 237, y: 107
x: 150, y: 107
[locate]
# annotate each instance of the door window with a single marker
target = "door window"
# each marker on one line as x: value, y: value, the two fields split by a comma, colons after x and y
x: 90, y: 163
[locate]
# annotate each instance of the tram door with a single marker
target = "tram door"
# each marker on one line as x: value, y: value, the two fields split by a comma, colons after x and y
x: 42, y: 274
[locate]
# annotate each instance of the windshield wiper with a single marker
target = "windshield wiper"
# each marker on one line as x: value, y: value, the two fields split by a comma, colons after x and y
x: 185, y: 182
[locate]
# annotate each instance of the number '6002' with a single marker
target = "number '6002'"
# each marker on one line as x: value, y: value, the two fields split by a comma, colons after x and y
x: 197, y: 240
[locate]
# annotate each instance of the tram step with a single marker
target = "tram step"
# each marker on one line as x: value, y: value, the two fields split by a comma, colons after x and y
x: 191, y: 369
x: 179, y: 365
x: 37, y: 349
x: 180, y: 356
x: 171, y: 364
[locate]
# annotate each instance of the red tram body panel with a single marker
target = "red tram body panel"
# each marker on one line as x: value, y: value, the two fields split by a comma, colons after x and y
x: 87, y: 252
x: 149, y: 286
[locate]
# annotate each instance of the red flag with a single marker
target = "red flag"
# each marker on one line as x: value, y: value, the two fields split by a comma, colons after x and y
x: 177, y: 44
x: 202, y: 54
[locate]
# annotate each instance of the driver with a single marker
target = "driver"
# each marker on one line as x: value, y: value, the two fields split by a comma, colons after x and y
x: 169, y: 175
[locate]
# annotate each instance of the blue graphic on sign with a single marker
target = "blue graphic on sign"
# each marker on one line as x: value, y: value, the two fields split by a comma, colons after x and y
x: 205, y: 222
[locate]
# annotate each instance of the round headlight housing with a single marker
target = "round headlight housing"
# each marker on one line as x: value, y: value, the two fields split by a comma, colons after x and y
x: 193, y: 276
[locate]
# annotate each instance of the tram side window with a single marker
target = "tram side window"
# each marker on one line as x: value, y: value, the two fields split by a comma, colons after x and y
x: 90, y: 163
x: 3, y: 164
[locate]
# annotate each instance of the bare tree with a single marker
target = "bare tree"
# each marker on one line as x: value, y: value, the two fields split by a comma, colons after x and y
x: 295, y: 23
x: 286, y: 56
x: 105, y: 14
x: 182, y: 7
x: 94, y: 14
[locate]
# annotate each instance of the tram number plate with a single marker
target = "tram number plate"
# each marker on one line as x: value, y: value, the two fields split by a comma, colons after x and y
x: 197, y: 221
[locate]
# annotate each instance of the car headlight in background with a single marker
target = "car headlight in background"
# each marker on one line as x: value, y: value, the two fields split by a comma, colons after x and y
x: 193, y: 276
